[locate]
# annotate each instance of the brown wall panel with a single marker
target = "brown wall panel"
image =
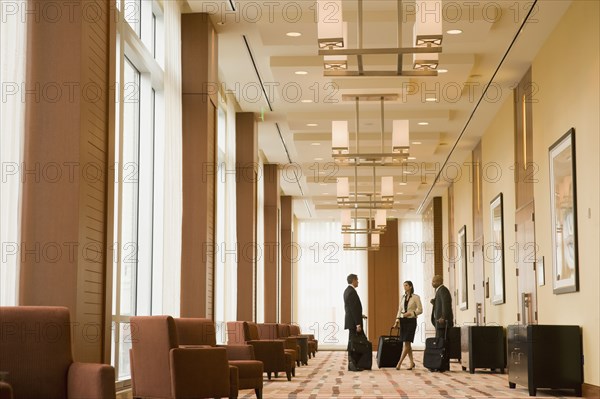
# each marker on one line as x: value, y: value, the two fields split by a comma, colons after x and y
x: 246, y: 142
x: 198, y: 46
x: 383, y: 283
x: 64, y: 213
x: 271, y: 250
x: 286, y: 258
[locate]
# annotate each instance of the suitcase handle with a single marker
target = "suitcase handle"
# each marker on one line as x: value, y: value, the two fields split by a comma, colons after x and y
x: 395, y: 328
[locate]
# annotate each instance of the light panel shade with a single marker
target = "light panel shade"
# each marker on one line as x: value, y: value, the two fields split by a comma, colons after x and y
x: 428, y: 23
x: 340, y: 140
x: 400, y: 135
x: 387, y: 187
x: 375, y: 240
x: 426, y: 61
x: 330, y: 28
x: 347, y: 240
x: 380, y: 218
x: 343, y: 187
x: 346, y: 218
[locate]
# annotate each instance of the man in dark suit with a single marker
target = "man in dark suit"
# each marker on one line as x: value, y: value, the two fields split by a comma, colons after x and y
x: 441, y: 314
x: 353, y: 320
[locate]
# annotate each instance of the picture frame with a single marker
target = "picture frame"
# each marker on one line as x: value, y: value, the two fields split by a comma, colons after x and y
x: 563, y: 212
x: 497, y: 250
x: 463, y: 255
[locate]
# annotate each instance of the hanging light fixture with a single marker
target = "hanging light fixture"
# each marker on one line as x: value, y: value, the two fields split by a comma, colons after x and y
x: 340, y: 137
x: 333, y: 42
x: 427, y: 34
x: 375, y: 240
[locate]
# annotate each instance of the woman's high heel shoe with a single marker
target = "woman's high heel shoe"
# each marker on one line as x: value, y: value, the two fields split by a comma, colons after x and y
x: 398, y: 366
x: 412, y: 366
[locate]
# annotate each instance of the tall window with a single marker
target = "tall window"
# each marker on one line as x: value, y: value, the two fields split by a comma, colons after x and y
x: 137, y: 268
x: 12, y: 123
x: 322, y: 270
x: 226, y: 251
x: 410, y: 237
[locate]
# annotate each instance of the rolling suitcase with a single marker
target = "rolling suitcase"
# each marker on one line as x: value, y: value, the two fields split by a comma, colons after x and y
x: 435, y: 357
x: 366, y: 360
x: 389, y: 350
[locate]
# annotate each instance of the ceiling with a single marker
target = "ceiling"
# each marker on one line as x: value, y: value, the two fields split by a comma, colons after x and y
x: 297, y: 134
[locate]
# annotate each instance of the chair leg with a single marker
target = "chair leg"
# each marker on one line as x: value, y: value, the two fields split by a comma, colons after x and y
x: 289, y: 377
x: 269, y: 375
x: 294, y: 372
x: 276, y: 374
x: 258, y: 393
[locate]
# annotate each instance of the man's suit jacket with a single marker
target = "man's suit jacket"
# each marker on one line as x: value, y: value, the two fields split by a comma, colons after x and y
x: 442, y: 308
x: 353, y: 309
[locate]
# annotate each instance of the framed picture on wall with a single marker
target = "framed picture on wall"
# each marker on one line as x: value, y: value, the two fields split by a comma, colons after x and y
x: 496, y: 252
x: 462, y: 261
x: 563, y: 209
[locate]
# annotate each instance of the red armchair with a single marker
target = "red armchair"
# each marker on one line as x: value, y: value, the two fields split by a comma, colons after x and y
x: 36, y: 352
x: 313, y: 344
x: 160, y: 369
x: 270, y: 352
x: 271, y: 331
x: 195, y: 332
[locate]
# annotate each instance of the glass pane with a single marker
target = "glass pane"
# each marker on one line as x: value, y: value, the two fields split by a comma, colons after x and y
x: 132, y: 12
x: 129, y: 188
x: 124, y: 346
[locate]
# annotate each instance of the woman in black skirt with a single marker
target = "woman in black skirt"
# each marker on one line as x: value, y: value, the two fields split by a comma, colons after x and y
x: 410, y: 307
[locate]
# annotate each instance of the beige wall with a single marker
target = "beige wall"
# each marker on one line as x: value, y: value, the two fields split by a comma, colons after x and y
x: 565, y: 72
x: 568, y: 97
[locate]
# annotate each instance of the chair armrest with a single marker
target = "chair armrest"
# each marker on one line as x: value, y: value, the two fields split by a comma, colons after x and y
x: 91, y: 381
x: 5, y: 391
x: 199, y: 373
x: 239, y: 352
x: 270, y: 352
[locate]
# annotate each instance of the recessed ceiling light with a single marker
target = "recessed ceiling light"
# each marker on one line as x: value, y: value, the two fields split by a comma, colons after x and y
x: 402, y: 183
x: 406, y: 172
x: 431, y: 99
x: 306, y: 101
x: 301, y: 73
x: 220, y: 23
x: 423, y: 123
x: 293, y: 34
x: 318, y: 159
x: 312, y: 124
x: 442, y: 70
x: 400, y: 193
x: 412, y: 158
x: 416, y: 142
x: 322, y: 184
x: 454, y: 32
x: 315, y: 143
x: 325, y: 193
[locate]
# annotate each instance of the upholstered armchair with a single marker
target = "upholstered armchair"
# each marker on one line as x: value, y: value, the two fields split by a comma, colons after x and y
x: 271, y: 331
x: 161, y: 369
x: 35, y: 351
x: 197, y: 332
x: 271, y: 352
x: 313, y: 344
x: 284, y: 332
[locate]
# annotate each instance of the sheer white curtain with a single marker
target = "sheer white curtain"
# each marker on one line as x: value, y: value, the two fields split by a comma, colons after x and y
x: 13, y: 39
x: 173, y: 207
x: 323, y: 266
x: 410, y: 241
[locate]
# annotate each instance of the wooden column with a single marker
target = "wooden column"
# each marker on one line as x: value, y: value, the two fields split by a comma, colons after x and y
x: 64, y: 170
x: 271, y: 251
x: 384, y: 283
x: 246, y: 143
x: 287, y: 254
x: 198, y: 60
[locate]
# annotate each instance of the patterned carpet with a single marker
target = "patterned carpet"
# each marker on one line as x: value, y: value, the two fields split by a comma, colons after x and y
x: 327, y: 376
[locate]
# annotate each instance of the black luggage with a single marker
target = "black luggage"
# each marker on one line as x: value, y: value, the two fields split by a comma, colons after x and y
x: 435, y: 357
x: 362, y: 350
x: 366, y: 359
x: 389, y: 350
x: 454, y: 349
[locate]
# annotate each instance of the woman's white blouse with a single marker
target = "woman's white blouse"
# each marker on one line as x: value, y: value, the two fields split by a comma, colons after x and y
x: 414, y: 307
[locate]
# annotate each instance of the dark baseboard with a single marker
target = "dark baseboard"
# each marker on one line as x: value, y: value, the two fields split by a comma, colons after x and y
x: 590, y: 391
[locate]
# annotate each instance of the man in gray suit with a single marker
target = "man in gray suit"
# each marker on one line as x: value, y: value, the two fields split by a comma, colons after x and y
x: 442, y: 316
